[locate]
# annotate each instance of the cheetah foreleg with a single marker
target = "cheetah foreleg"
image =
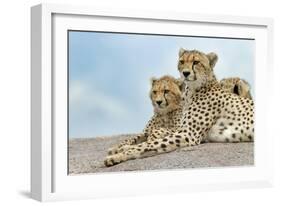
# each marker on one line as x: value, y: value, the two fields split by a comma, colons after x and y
x: 124, y: 145
x: 152, y: 148
x: 159, y: 133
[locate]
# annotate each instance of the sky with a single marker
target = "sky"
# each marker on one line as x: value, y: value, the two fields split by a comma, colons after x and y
x: 109, y: 76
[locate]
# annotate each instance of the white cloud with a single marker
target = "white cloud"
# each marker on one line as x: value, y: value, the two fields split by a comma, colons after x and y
x: 83, y: 96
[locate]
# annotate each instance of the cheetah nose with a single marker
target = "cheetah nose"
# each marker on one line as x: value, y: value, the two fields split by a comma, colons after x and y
x: 186, y: 74
x: 159, y: 102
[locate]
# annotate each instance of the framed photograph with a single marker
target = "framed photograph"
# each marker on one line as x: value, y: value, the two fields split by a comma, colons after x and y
x: 137, y: 102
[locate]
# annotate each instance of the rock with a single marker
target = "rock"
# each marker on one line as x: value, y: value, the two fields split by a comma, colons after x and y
x: 86, y: 155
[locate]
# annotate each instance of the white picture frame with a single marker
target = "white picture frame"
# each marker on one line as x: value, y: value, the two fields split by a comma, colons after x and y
x: 49, y: 179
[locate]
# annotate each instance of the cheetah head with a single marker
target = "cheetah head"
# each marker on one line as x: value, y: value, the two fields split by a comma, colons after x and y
x: 195, y: 67
x: 237, y: 86
x: 165, y: 94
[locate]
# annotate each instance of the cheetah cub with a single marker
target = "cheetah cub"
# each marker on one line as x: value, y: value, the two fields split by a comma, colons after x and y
x: 237, y: 86
x: 165, y: 95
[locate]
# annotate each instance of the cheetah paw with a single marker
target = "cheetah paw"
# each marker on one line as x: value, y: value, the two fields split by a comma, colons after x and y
x: 113, y: 160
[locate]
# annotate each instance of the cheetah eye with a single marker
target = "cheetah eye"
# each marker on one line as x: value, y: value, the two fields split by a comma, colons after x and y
x: 154, y: 92
x: 181, y: 62
x: 196, y: 62
x: 166, y: 91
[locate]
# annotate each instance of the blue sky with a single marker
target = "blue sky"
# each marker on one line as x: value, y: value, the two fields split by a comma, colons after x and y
x: 109, y: 76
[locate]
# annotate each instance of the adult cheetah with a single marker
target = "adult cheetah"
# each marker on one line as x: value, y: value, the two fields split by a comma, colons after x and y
x: 208, y: 112
x: 231, y: 116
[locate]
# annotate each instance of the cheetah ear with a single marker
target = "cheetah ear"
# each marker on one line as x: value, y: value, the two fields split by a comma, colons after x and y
x: 180, y: 83
x: 153, y: 80
x: 181, y: 51
x: 244, y: 83
x: 213, y: 58
x: 243, y: 86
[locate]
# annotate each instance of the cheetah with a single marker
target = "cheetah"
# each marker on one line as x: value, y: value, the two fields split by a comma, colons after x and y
x: 231, y: 115
x: 237, y: 86
x: 208, y: 112
x: 165, y: 95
